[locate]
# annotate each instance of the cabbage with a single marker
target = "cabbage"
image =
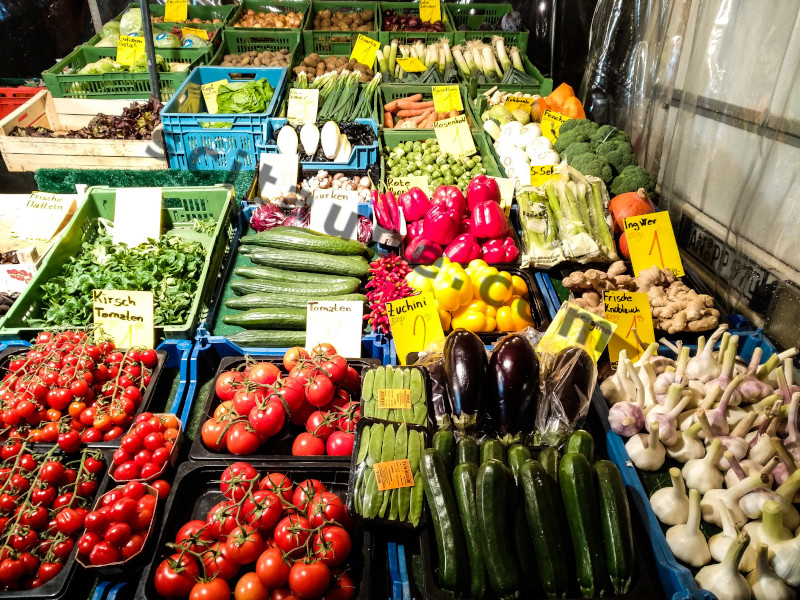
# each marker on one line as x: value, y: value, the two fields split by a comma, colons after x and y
x: 110, y: 29
x: 108, y: 42
x: 194, y: 41
x: 131, y: 22
x: 244, y: 96
x: 166, y: 40
x: 104, y: 65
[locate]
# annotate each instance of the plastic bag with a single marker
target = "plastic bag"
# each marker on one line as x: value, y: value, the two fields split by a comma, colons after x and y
x: 541, y: 247
x: 166, y: 40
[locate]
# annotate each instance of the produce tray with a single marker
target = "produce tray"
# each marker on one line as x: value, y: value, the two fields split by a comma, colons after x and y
x: 238, y: 41
x: 543, y: 88
x: 232, y: 141
x: 474, y: 14
x: 407, y: 37
x: 195, y: 11
x: 426, y: 377
x: 13, y: 97
x: 208, y: 366
x: 337, y: 42
x: 182, y: 206
x: 276, y: 6
x: 393, y: 91
x: 113, y: 85
x: 196, y: 490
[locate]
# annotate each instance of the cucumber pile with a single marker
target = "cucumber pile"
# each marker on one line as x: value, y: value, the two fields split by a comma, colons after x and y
x: 495, y: 513
x: 395, y: 378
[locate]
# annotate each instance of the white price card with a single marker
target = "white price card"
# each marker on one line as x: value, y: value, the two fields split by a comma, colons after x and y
x: 137, y: 215
x: 337, y: 323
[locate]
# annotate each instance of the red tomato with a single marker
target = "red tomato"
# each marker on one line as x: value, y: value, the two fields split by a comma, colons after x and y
x: 131, y: 443
x: 278, y: 483
x: 341, y: 588
x: 237, y: 480
x: 323, y: 349
x: 262, y: 510
x: 69, y: 521
x: 118, y: 535
x: 154, y: 441
x: 272, y: 569
x: 133, y: 546
x: 96, y: 522
x: 48, y: 570
x: 191, y: 533
x: 306, y: 491
x: 309, y: 580
x: 171, y: 584
x: 327, y: 507
x: 242, y: 439
x: 51, y: 471
x: 227, y: 383
x: 351, y: 413
x: 291, y: 534
x: 319, y: 425
x: 263, y: 373
x: 268, y: 421
x: 335, y: 367
x: 339, y: 444
x: 150, y: 470
x: 293, y: 356
x: 283, y: 593
x: 162, y: 487
x: 222, y: 519
x: 103, y: 553
x: 134, y: 490
x: 293, y: 393
x: 127, y: 471
x: 245, y: 400
x: 320, y: 390
x: 88, y: 541
x: 123, y: 510
x: 332, y: 545
x: 352, y: 380
x: 214, y: 435
x: 306, y: 444
x: 216, y: 563
x: 216, y: 589
x: 249, y: 587
x: 244, y: 544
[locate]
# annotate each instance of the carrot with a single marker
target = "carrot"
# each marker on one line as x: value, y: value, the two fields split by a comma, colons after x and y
x: 428, y: 123
x: 403, y: 105
x: 388, y: 122
x: 421, y: 117
x: 412, y: 112
x: 394, y: 104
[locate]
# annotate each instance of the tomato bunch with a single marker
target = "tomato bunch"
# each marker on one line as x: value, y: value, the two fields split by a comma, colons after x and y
x: 258, y: 399
x: 147, y: 447
x: 69, y: 390
x: 43, y: 500
x: 285, y: 540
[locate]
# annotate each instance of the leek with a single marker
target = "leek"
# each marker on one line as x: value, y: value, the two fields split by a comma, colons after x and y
x: 459, y: 57
x: 442, y: 60
x: 383, y: 63
x: 488, y: 62
x: 516, y: 59
x: 500, y: 50
x: 393, y: 55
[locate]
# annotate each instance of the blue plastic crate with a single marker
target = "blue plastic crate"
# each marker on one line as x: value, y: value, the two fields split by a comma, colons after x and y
x: 231, y: 144
x: 548, y: 292
x: 360, y: 158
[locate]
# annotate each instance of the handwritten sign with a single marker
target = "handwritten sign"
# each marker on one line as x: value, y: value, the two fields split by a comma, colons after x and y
x: 411, y: 65
x: 365, y: 50
x: 394, y: 398
x: 513, y: 103
x: 430, y: 10
x: 573, y: 326
x: 42, y: 216
x: 446, y: 98
x: 335, y: 322
x: 137, y: 215
x: 393, y: 474
x: 454, y: 136
x: 277, y: 174
x: 201, y: 33
x: 630, y: 312
x: 176, y: 11
x: 541, y: 174
x: 551, y: 124
x: 651, y: 241
x: 130, y: 50
x: 335, y: 216
x: 400, y: 185
x: 210, y: 91
x: 303, y: 105
x: 125, y: 316
x: 415, y: 324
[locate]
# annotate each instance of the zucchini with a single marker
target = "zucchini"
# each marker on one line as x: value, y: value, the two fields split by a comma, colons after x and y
x: 492, y: 449
x: 581, y: 442
x: 268, y: 339
x: 453, y: 561
x: 615, y: 521
x: 541, y: 510
x: 548, y: 457
x: 284, y: 300
x: 467, y: 451
x: 263, y: 286
x: 292, y: 240
x: 268, y: 318
x: 583, y: 517
x: 523, y: 543
x: 445, y: 442
x: 354, y: 266
x: 492, y: 490
x: 465, y: 479
x: 272, y: 274
x: 517, y: 455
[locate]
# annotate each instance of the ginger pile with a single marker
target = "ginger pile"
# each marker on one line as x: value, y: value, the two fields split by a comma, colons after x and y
x: 675, y: 307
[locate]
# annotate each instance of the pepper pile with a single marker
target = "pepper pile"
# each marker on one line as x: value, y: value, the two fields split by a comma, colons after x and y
x: 387, y: 282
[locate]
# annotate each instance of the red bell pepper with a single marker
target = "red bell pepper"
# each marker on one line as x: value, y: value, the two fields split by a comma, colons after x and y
x: 482, y: 189
x: 422, y: 251
x: 465, y: 226
x: 488, y: 220
x: 414, y: 230
x: 450, y: 196
x: 463, y: 249
x: 502, y: 250
x: 414, y: 204
x: 440, y: 226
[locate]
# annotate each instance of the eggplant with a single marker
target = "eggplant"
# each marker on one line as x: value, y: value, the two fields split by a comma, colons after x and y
x: 572, y: 377
x: 441, y: 397
x: 466, y: 367
x: 513, y: 386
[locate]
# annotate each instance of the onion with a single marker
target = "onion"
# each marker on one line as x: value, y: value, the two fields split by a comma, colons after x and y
x: 266, y: 216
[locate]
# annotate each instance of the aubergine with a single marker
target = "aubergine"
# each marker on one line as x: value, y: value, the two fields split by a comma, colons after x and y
x: 466, y: 367
x: 441, y: 396
x: 513, y: 386
x: 573, y: 373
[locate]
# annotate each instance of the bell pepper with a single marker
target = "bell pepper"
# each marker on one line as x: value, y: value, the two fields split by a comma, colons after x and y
x: 492, y: 286
x: 452, y: 287
x: 440, y: 226
x: 414, y: 204
x: 477, y: 317
x: 421, y: 278
x: 514, y: 315
x: 465, y: 226
x: 445, y: 317
x: 488, y: 220
x: 463, y: 249
x: 422, y: 251
x: 501, y: 250
x: 482, y: 189
x: 452, y: 198
x: 520, y: 288
x: 382, y: 216
x: 414, y: 230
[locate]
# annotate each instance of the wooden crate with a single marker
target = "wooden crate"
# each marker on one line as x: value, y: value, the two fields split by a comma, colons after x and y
x: 61, y: 114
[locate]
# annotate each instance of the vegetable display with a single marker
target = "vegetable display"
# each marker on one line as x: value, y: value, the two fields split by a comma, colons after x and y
x: 335, y: 141
x: 344, y: 20
x: 490, y: 63
x: 437, y: 59
x: 244, y: 96
x: 146, y: 450
x: 314, y: 67
x: 424, y: 157
x: 386, y: 283
x: 394, y: 20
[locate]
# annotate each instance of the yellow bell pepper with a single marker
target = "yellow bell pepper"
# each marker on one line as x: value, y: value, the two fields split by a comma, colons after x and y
x: 452, y: 287
x: 445, y: 318
x: 514, y: 315
x: 477, y: 317
x: 475, y: 266
x: 422, y: 277
x: 493, y: 287
x: 519, y: 287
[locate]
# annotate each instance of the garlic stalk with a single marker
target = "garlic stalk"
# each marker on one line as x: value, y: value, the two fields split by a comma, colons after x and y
x: 723, y: 579
x: 648, y: 376
x: 766, y: 372
x: 765, y: 583
x: 671, y: 504
x: 719, y: 544
x: 688, y: 445
x: 666, y: 419
x: 686, y: 541
x: 753, y: 502
x: 702, y: 473
x: 786, y: 492
x: 787, y: 465
x: 735, y: 442
x: 717, y: 417
x: 752, y: 389
x: 761, y: 448
x: 723, y: 347
x: 646, y: 451
x: 769, y: 529
x: 619, y: 387
x: 792, y: 439
x: 648, y: 353
x: 786, y: 560
x: 666, y: 379
x: 726, y: 375
x: 711, y: 397
x: 702, y: 365
x: 730, y: 498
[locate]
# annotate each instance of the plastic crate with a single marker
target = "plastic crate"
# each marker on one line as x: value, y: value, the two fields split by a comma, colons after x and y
x: 238, y: 41
x: 337, y: 42
x: 393, y: 91
x: 114, y: 85
x: 473, y: 15
x: 361, y: 157
x: 276, y: 6
x: 182, y: 206
x: 14, y: 97
x: 192, y: 146
x: 407, y: 37
x: 542, y: 88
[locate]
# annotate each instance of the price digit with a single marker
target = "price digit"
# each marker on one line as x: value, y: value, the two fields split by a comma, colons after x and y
x: 419, y: 319
x: 655, y: 244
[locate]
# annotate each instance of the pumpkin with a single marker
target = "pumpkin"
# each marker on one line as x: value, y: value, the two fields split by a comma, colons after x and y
x: 629, y: 204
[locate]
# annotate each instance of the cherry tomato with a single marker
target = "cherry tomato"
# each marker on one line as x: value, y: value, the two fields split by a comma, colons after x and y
x: 123, y: 510
x: 162, y: 487
x: 96, y: 522
x: 127, y: 471
x: 69, y: 521
x: 118, y: 535
x: 133, y: 546
x: 51, y: 472
x: 103, y: 553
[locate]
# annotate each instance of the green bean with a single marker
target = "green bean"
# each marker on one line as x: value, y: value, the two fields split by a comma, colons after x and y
x: 375, y: 444
x: 415, y: 509
x: 414, y: 449
x: 363, y: 449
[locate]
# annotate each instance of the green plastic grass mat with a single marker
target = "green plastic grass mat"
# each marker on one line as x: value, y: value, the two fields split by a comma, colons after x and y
x: 63, y: 181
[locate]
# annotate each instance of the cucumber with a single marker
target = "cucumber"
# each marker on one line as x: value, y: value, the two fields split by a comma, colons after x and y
x: 517, y: 455
x: 268, y: 339
x: 353, y: 266
x: 492, y: 491
x: 467, y: 451
x: 492, y: 449
x: 583, y: 517
x: 465, y: 479
x: 264, y: 286
x: 615, y: 521
x: 453, y: 560
x: 266, y: 300
x: 291, y: 240
x: 445, y: 442
x: 548, y: 457
x: 541, y: 510
x: 271, y: 274
x: 581, y: 442
x: 268, y: 318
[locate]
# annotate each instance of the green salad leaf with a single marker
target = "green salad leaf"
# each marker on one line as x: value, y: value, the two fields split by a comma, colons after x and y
x: 244, y: 96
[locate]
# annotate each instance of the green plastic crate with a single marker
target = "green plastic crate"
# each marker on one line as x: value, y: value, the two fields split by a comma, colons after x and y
x: 194, y: 11
x: 181, y: 206
x: 393, y: 91
x: 337, y: 42
x: 407, y: 37
x: 113, y: 85
x: 543, y: 88
x: 274, y: 6
x: 473, y: 15
x: 238, y: 41
x: 204, y: 54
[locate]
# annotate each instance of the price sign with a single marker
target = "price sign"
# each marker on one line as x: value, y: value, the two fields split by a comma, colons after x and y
x: 277, y: 174
x: 542, y: 174
x: 573, y: 326
x: 337, y: 322
x: 176, y: 11
x: 400, y: 185
x: 137, y: 215
x: 364, y: 50
x: 630, y: 312
x: 430, y: 10
x: 651, y: 241
x: 519, y: 103
x: 303, y: 105
x: 126, y: 316
x: 335, y: 215
x: 210, y: 91
x: 41, y: 216
x: 129, y: 49
x: 551, y: 124
x: 201, y: 33
x: 446, y: 98
x: 394, y: 398
x: 393, y: 474
x: 415, y: 324
x: 411, y: 65
x: 454, y: 136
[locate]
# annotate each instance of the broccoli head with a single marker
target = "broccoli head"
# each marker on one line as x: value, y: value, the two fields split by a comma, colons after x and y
x: 575, y: 150
x: 592, y: 164
x: 608, y: 133
x: 573, y: 136
x: 617, y: 152
x: 631, y: 179
x: 584, y: 124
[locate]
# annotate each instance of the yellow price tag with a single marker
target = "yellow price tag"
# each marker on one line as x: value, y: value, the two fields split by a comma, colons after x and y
x: 454, y: 136
x: 393, y: 474
x: 201, y: 33
x: 210, y: 91
x: 630, y: 312
x: 394, y: 398
x: 400, y: 185
x: 430, y: 10
x: 513, y: 103
x: 551, y: 124
x: 573, y: 326
x: 129, y: 49
x: 176, y: 11
x: 364, y: 50
x: 302, y: 107
x: 542, y: 174
x: 415, y: 324
x: 651, y: 241
x: 446, y: 98
x: 411, y: 65
x: 126, y: 316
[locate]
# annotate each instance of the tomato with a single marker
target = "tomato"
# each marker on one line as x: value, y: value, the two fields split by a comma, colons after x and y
x: 62, y: 500
x: 91, y: 435
x: 103, y: 553
x: 214, y: 435
x: 278, y: 483
x: 96, y: 522
x: 11, y: 570
x: 48, y: 570
x: 150, y: 470
x: 250, y: 587
x: 306, y: 444
x: 293, y: 392
x: 118, y: 535
x: 320, y: 390
x: 243, y: 545
x: 120, y: 457
x: 327, y: 507
x: 127, y: 471
x: 43, y: 496
x: 63, y: 549
x: 306, y: 491
x: 154, y: 441
x: 223, y: 409
x: 332, y: 545
x: 160, y: 455
x: 36, y: 517
x: 69, y: 521
x: 87, y: 488
x: 319, y: 425
x: 143, y: 457
x: 268, y: 421
x: 49, y: 433
x: 309, y: 580
x: 283, y: 593
x: 293, y: 356
x: 263, y: 373
x: 262, y: 510
x: 123, y: 510
x: 24, y: 539
x: 134, y: 490
x: 133, y: 546
x: 144, y: 513
x: 215, y: 562
x: 175, y: 576
x: 341, y: 588
x: 191, y: 533
x: 94, y: 465
x: 222, y: 519
x: 227, y: 383
x: 242, y: 439
x: 130, y: 443
x: 272, y: 569
x: 340, y: 444
x: 69, y: 441
x: 237, y: 480
x: 291, y: 534
x: 149, y: 358
x: 79, y: 387
x: 352, y: 380
x: 216, y: 589
x: 162, y: 487
x: 323, y: 349
x: 335, y: 367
